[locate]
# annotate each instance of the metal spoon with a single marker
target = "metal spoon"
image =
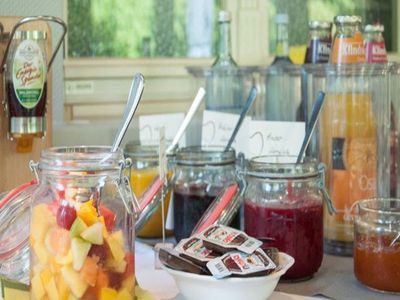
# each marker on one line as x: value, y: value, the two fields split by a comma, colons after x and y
x: 192, y: 110
x: 246, y: 108
x: 313, y: 121
x: 135, y: 94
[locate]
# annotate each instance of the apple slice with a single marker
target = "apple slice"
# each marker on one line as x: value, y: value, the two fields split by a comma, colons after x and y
x: 77, y: 227
x: 80, y: 249
x: 94, y: 234
x: 76, y: 284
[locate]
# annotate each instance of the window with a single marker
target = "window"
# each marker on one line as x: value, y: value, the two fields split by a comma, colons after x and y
x: 136, y: 29
x: 301, y: 11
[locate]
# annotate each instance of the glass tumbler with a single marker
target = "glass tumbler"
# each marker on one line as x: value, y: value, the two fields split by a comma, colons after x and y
x: 377, y: 244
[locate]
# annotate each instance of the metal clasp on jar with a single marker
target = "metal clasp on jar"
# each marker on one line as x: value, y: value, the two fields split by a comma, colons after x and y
x: 127, y: 195
x: 322, y: 188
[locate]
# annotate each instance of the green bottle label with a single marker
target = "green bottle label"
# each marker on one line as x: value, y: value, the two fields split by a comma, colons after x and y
x: 29, y: 73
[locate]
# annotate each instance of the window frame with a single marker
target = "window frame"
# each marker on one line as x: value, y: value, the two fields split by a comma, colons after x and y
x: 249, y: 22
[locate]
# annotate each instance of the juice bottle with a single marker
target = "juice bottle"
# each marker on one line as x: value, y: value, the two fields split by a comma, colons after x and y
x: 348, y: 144
x: 319, y: 47
x: 375, y: 50
x: 144, y: 171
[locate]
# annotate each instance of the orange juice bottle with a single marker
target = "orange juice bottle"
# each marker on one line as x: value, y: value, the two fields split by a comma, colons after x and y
x: 143, y: 172
x: 348, y: 143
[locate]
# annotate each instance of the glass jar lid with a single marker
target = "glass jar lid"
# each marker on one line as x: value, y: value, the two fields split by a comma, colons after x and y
x: 347, y: 19
x: 14, y: 232
x: 205, y: 155
x: 282, y: 167
x: 30, y: 35
x: 137, y: 151
x: 80, y: 159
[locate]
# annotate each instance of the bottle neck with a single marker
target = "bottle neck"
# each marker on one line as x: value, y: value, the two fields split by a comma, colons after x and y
x: 224, y: 46
x: 282, y: 40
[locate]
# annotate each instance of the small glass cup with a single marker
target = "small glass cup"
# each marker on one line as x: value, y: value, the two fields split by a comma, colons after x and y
x: 377, y: 244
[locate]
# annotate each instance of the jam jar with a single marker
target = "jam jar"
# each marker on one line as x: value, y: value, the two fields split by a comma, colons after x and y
x: 283, y: 207
x: 82, y: 225
x: 377, y: 244
x: 144, y: 170
x: 200, y: 175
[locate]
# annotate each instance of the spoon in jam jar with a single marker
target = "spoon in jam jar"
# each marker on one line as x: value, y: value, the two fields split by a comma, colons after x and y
x: 311, y: 126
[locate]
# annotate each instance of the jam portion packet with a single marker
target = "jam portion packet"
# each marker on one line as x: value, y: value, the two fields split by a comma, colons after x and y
x: 237, y: 263
x: 171, y: 258
x: 194, y: 250
x: 223, y: 239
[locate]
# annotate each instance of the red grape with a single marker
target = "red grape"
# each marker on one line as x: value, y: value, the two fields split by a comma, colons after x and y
x: 66, y: 215
x: 101, y: 251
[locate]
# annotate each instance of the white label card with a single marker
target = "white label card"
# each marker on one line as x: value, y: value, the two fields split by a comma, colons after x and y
x: 218, y: 128
x: 149, y: 128
x: 276, y: 138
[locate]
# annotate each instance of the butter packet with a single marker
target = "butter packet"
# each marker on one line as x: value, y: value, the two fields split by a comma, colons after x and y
x: 237, y: 263
x: 194, y: 250
x: 223, y: 239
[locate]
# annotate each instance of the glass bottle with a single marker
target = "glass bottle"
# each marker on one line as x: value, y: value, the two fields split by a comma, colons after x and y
x: 348, y: 43
x: 284, y: 208
x: 377, y: 244
x: 223, y: 84
x: 320, y: 42
x: 82, y: 225
x: 375, y: 50
x: 282, y: 40
x: 144, y: 170
x: 26, y: 85
x: 200, y: 175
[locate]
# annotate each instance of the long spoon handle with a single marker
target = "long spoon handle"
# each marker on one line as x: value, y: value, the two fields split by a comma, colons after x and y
x: 192, y: 110
x: 313, y: 122
x: 135, y: 94
x: 246, y: 108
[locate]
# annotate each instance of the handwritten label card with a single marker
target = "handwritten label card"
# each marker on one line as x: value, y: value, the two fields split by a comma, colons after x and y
x: 275, y: 138
x: 218, y: 127
x: 150, y: 126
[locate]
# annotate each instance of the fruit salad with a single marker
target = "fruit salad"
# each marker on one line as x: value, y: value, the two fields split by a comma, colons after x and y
x: 77, y: 253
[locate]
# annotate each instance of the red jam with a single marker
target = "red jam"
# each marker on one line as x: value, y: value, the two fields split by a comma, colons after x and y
x: 376, y: 263
x: 296, y: 229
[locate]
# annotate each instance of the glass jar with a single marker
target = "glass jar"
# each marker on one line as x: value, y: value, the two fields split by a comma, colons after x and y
x: 377, y: 244
x: 200, y: 175
x: 14, y: 234
x: 82, y: 225
x: 144, y: 170
x: 284, y: 207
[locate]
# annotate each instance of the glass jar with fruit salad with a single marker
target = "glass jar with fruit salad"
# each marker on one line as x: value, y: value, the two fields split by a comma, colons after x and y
x: 143, y: 174
x: 283, y: 208
x: 82, y: 226
x: 200, y: 175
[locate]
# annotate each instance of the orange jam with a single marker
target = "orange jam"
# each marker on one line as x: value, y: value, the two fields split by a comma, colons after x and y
x: 376, y: 263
